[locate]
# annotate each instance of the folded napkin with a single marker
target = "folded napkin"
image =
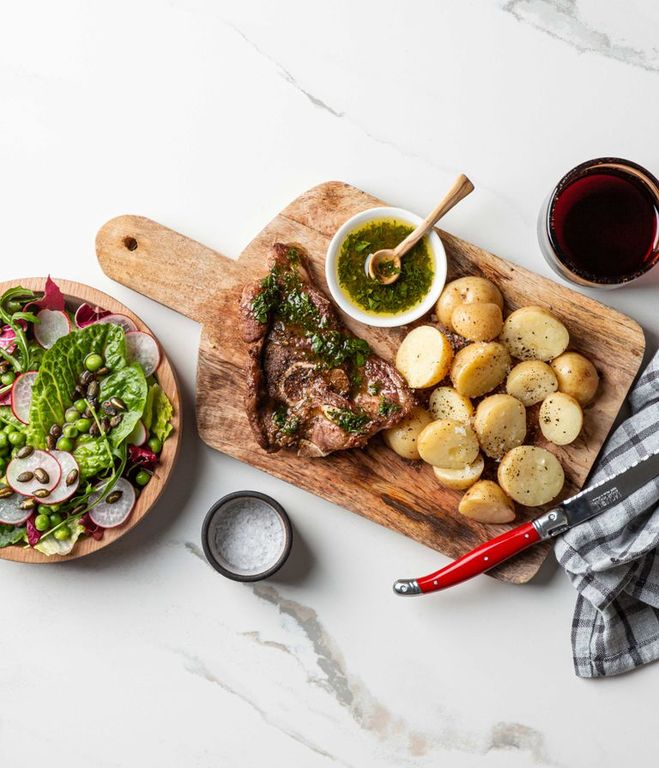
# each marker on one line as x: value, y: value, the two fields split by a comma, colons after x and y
x: 612, y: 560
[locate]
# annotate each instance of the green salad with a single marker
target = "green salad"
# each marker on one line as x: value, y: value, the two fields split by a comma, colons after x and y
x: 83, y: 419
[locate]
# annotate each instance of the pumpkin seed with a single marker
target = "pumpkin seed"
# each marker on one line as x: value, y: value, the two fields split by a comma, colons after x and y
x: 109, y: 408
x: 94, y: 430
x: 72, y: 477
x: 77, y: 510
x: 103, y: 371
x: 55, y: 430
x: 93, y: 389
x: 50, y: 442
x: 28, y: 504
x: 85, y: 377
x: 118, y: 403
x: 25, y: 477
x: 5, y: 493
x: 115, y: 421
x: 41, y: 475
x: 79, y: 392
x: 113, y: 498
x: 25, y: 451
x: 105, y: 424
x: 41, y: 493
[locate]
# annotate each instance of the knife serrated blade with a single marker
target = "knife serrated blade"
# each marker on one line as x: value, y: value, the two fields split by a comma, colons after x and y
x: 595, y: 499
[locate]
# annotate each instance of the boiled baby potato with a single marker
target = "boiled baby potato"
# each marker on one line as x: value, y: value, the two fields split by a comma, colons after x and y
x: 460, y: 479
x: 424, y: 356
x: 561, y: 418
x: 402, y: 439
x: 448, y: 443
x: 531, y: 381
x: 466, y: 290
x: 448, y: 403
x: 480, y: 367
x: 530, y: 475
x: 486, y: 502
x: 534, y: 333
x: 500, y: 424
x: 477, y: 322
x: 577, y: 376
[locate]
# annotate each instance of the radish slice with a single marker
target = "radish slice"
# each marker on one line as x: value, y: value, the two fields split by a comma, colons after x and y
x: 21, y: 395
x: 121, y: 320
x: 138, y: 435
x: 88, y: 315
x: 11, y: 512
x: 36, y: 460
x: 52, y: 325
x: 142, y: 348
x: 63, y: 491
x: 111, y: 515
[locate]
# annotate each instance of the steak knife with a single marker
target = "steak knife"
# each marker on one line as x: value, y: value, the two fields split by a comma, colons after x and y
x: 575, y: 510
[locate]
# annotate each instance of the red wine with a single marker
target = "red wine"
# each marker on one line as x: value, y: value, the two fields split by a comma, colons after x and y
x: 603, y: 224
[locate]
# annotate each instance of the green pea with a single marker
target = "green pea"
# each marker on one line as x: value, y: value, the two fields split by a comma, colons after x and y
x: 80, y: 405
x: 155, y: 445
x: 9, y: 428
x: 65, y: 444
x: 83, y: 425
x: 93, y: 362
x: 43, y: 509
x: 42, y: 522
x: 17, y: 439
x: 55, y: 507
x: 55, y: 519
x: 3, y: 440
x: 7, y: 378
x: 142, y: 477
x: 71, y: 415
x: 70, y: 431
x: 63, y: 533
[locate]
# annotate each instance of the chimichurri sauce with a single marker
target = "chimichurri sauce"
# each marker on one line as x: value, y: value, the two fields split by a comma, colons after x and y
x: 370, y: 295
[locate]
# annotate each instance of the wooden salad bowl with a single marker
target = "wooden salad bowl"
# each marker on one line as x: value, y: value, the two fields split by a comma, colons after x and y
x: 77, y: 293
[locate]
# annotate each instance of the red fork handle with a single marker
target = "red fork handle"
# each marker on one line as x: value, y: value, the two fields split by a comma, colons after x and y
x: 473, y: 563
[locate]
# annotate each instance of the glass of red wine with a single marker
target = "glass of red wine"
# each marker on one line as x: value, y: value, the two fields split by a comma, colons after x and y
x: 600, y: 225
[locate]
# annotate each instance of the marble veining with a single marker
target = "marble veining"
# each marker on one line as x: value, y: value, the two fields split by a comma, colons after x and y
x: 564, y: 20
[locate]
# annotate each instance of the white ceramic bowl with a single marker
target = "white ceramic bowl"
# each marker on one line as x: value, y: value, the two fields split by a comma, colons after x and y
x: 437, y: 253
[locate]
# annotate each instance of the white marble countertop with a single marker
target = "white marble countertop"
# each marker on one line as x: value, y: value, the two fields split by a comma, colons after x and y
x: 209, y: 117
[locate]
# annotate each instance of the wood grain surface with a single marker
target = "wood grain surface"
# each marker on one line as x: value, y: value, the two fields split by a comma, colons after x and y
x: 77, y: 293
x: 374, y: 482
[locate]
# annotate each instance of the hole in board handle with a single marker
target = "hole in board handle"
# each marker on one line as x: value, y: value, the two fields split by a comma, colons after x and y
x: 130, y: 243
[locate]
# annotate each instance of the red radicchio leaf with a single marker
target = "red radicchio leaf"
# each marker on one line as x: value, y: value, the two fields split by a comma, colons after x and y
x: 88, y: 315
x: 33, y: 534
x: 8, y: 336
x: 5, y: 398
x: 94, y: 530
x: 142, y: 457
x: 52, y: 298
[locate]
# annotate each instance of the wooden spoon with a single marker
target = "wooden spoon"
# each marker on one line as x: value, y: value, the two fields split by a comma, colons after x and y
x: 384, y: 265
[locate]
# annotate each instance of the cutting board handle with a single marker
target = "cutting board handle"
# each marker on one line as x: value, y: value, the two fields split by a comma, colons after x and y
x: 162, y: 264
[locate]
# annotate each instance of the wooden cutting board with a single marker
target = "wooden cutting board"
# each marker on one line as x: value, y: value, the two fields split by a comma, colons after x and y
x: 204, y: 285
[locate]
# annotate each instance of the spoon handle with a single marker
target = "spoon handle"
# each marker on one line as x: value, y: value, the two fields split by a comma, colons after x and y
x: 460, y: 189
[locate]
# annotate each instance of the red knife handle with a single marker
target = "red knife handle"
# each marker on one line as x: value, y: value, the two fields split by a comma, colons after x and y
x: 473, y: 563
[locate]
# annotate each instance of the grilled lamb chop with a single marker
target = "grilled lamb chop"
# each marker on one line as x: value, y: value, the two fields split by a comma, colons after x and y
x: 312, y: 386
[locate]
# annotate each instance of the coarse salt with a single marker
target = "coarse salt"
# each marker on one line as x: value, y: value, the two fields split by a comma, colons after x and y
x: 248, y: 536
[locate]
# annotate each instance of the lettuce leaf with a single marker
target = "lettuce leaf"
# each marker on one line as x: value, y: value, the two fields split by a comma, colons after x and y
x: 60, y: 367
x: 158, y: 413
x: 9, y: 536
x: 52, y: 546
x: 92, y: 455
x: 128, y: 384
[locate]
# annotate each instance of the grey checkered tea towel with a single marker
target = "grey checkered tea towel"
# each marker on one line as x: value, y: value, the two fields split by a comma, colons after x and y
x: 612, y: 559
